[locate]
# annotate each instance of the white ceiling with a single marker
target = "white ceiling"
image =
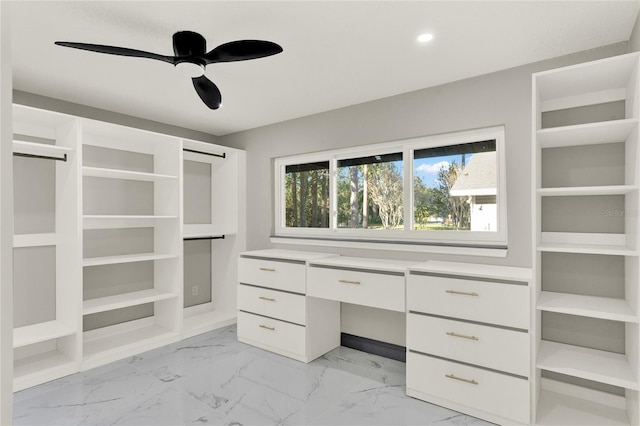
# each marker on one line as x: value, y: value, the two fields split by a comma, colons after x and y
x: 336, y: 53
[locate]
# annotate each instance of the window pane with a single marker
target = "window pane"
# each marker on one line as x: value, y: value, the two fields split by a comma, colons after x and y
x: 307, y: 195
x: 455, y: 187
x: 370, y: 192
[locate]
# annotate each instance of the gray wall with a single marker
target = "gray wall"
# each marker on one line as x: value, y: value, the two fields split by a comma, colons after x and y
x: 634, y: 39
x: 494, y: 99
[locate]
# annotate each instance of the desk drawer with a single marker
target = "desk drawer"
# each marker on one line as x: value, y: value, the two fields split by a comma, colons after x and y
x: 483, y: 301
x: 372, y: 289
x: 271, y: 303
x: 277, y: 336
x: 272, y: 273
x: 494, y: 393
x: 496, y: 348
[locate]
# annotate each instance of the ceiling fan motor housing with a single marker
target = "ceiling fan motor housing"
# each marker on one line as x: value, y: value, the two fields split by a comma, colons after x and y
x: 189, y: 43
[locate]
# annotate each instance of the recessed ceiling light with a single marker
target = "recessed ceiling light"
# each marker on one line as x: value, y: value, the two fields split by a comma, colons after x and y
x: 423, y: 38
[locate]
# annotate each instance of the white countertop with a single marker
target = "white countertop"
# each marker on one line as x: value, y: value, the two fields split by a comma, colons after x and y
x: 286, y: 254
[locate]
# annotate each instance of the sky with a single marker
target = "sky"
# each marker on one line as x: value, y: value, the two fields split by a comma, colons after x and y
x: 427, y: 168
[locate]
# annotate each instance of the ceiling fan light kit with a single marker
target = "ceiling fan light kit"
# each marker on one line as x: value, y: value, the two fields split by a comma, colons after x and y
x: 191, y: 58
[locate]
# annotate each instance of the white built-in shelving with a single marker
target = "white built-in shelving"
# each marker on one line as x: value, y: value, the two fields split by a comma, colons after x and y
x: 596, y: 409
x: 591, y: 364
x: 587, y: 190
x: 125, y: 258
x: 109, y: 303
x: 96, y: 204
x: 46, y: 181
x: 97, y: 221
x: 124, y: 174
x: 35, y: 148
x: 137, y: 171
x: 41, y: 332
x: 121, y: 340
x: 587, y: 134
x: 609, y: 308
x: 585, y: 354
x: 212, y: 176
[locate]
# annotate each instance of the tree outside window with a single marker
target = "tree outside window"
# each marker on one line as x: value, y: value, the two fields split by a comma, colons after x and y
x: 307, y: 195
x: 371, y: 192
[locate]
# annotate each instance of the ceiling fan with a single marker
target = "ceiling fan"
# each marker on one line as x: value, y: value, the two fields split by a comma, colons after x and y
x: 191, y: 58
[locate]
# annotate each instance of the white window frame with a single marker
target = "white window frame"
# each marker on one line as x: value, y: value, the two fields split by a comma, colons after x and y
x: 335, y: 236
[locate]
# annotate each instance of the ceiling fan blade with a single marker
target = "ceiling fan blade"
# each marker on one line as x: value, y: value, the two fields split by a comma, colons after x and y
x: 113, y: 50
x: 208, y: 92
x: 242, y: 50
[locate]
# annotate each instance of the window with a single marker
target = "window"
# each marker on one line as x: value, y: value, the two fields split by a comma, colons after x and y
x: 444, y: 190
x: 454, y: 187
x: 370, y: 192
x: 307, y: 195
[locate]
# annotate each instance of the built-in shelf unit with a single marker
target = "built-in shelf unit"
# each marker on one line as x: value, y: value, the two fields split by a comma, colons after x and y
x: 585, y: 231
x: 132, y: 275
x: 46, y: 234
x: 213, y: 177
x: 99, y: 210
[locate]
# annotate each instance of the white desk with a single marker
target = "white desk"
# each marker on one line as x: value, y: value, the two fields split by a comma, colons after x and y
x: 467, y: 324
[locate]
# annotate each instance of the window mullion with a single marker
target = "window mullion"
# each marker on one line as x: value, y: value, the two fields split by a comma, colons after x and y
x: 333, y: 194
x: 407, y: 156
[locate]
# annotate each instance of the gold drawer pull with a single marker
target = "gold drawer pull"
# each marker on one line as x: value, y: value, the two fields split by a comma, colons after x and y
x: 451, y: 333
x: 451, y: 376
x: 268, y: 299
x: 348, y: 282
x: 268, y: 328
x: 464, y: 293
x: 268, y: 269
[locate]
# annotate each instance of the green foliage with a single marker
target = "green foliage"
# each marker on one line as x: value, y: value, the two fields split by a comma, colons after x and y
x: 307, y: 199
x: 384, y: 196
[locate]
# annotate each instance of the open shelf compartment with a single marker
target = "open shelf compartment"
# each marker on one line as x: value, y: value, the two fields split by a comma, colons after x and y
x: 600, y: 366
x: 109, y: 303
x: 119, y: 341
x: 556, y: 408
x: 39, y: 362
x: 126, y: 258
x: 36, y: 333
x: 590, y: 306
x: 587, y: 134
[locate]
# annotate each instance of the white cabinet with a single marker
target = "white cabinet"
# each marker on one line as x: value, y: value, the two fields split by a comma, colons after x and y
x: 585, y: 233
x: 275, y: 312
x: 98, y: 242
x: 468, y: 339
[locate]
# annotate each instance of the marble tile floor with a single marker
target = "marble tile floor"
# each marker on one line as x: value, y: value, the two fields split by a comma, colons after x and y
x: 214, y: 379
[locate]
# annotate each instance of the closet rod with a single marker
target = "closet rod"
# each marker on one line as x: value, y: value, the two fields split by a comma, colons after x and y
x: 46, y: 157
x: 205, y: 153
x: 212, y: 237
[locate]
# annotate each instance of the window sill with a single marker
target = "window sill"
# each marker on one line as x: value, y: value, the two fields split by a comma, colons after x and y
x: 408, y: 246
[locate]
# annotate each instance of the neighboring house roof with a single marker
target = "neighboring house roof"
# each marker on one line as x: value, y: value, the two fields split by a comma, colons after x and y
x: 478, y: 177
